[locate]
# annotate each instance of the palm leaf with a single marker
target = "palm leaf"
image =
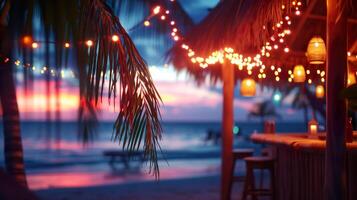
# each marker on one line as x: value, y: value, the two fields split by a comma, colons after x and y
x: 138, y: 98
x: 130, y: 84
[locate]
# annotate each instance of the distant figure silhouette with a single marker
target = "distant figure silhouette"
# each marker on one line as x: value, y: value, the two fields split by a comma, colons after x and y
x: 212, y: 136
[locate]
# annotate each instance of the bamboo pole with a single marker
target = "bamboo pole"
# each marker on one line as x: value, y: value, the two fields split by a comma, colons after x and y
x: 335, y: 160
x: 227, y: 135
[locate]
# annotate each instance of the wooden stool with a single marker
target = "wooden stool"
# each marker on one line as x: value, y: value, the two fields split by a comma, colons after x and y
x: 262, y: 163
x: 265, y: 151
x: 239, y: 154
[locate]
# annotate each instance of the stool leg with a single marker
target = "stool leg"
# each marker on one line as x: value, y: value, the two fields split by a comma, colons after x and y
x: 261, y: 176
x: 254, y: 197
x: 246, y: 182
x: 272, y: 184
x: 232, y: 177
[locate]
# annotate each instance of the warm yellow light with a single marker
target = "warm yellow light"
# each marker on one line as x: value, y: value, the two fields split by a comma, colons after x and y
x: 156, y: 10
x: 313, y: 127
x: 146, y: 23
x: 320, y: 91
x: 351, y: 79
x: 316, y: 51
x: 299, y: 74
x: 34, y: 45
x: 89, y: 43
x: 248, y: 87
x: 115, y: 38
x: 163, y: 17
x: 27, y: 40
x: 67, y: 45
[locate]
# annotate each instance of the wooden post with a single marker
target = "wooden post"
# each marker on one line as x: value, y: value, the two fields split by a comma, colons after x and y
x: 335, y: 166
x: 227, y: 130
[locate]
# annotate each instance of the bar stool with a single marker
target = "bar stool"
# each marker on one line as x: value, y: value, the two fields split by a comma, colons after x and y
x: 239, y: 154
x: 262, y: 163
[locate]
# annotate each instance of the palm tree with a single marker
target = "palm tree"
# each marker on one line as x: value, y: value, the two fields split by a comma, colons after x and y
x: 130, y: 84
x: 303, y: 99
x: 262, y: 110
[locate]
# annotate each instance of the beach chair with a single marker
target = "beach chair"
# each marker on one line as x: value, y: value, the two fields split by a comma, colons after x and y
x: 124, y: 157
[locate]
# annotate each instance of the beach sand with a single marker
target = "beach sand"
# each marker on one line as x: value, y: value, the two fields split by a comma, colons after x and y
x: 198, y: 188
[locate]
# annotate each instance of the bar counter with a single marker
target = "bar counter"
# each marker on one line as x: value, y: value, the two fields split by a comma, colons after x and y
x: 300, y: 165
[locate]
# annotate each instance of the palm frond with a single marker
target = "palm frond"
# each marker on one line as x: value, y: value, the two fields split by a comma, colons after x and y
x: 129, y: 80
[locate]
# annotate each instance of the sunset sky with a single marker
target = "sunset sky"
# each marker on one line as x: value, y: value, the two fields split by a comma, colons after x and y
x: 183, y: 100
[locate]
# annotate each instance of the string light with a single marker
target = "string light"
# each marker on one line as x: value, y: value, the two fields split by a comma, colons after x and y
x: 277, y: 39
x: 89, y: 43
x: 27, y: 40
x: 156, y: 10
x: 41, y: 70
x: 34, y: 45
x: 146, y: 23
x: 115, y: 38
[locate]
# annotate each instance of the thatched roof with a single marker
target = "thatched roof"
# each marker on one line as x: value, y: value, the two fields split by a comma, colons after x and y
x: 239, y: 24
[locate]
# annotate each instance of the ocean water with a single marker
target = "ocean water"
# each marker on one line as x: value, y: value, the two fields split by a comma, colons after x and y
x: 47, y: 144
x: 54, y: 151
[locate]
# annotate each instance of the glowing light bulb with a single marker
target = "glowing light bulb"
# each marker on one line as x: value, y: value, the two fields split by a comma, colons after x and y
x: 163, y: 17
x: 27, y: 40
x: 34, y: 45
x: 115, y: 38
x: 156, y: 10
x: 67, y: 45
x: 146, y: 23
x: 89, y: 43
x: 172, y: 23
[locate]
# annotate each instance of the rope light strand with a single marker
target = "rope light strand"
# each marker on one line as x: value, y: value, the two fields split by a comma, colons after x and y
x: 277, y: 42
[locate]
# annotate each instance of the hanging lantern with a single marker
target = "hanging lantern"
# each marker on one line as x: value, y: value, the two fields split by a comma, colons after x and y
x: 247, y: 88
x: 299, y: 74
x: 351, y: 79
x: 320, y: 91
x: 316, y: 51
